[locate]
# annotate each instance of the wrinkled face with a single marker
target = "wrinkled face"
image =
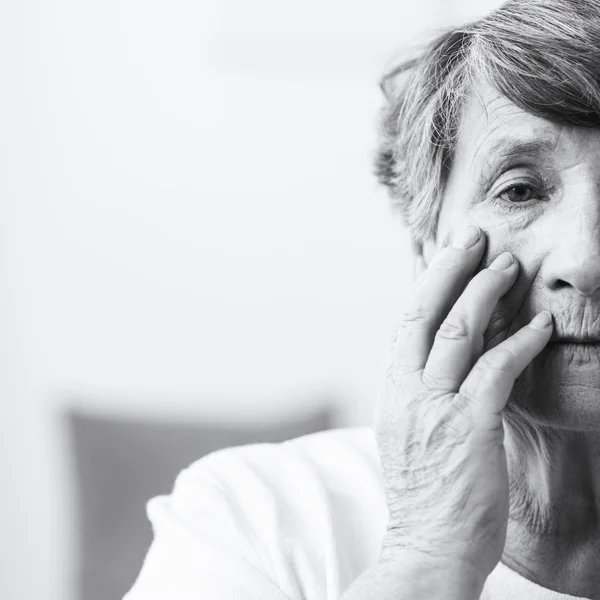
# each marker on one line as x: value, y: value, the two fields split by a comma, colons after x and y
x: 534, y: 187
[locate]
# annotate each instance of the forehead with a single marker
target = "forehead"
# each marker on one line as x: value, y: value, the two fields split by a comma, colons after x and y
x: 493, y: 128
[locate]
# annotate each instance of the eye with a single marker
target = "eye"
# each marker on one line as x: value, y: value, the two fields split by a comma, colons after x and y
x: 519, y: 193
x: 522, y: 195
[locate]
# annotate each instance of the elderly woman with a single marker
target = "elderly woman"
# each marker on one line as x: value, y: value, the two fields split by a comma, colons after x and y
x: 482, y: 478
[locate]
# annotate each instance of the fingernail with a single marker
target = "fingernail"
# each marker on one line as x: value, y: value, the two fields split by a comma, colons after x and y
x: 502, y: 262
x: 467, y: 237
x: 541, y: 320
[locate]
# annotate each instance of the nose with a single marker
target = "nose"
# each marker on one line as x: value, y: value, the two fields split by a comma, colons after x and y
x: 574, y: 261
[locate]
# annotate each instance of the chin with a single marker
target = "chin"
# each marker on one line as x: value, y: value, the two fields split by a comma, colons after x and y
x: 561, y: 387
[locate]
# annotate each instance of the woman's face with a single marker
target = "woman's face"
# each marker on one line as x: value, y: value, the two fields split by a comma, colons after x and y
x: 534, y: 187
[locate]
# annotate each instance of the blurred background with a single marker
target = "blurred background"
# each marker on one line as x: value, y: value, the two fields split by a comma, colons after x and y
x: 193, y: 253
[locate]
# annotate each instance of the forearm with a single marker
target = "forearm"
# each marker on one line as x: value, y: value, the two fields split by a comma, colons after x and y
x: 398, y: 579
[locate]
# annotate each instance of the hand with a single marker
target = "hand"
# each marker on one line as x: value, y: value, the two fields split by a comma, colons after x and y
x: 438, y: 422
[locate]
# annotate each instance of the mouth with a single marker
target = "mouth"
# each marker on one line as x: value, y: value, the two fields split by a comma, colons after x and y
x: 573, y: 354
x: 575, y: 345
x: 570, y: 340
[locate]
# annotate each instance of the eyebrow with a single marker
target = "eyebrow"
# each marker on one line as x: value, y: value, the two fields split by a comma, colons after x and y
x: 505, y: 149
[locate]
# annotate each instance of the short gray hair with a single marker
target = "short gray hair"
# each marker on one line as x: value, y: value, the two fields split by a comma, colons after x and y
x: 542, y: 55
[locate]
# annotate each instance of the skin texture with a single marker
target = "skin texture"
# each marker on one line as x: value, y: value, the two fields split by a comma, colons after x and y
x: 440, y: 433
x: 554, y: 233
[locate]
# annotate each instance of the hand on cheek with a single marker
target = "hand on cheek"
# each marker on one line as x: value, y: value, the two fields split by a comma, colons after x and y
x: 514, y: 309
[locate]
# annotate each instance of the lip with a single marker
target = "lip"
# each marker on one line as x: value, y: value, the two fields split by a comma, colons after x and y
x: 568, y: 339
x: 575, y: 348
x: 581, y: 342
x: 572, y: 356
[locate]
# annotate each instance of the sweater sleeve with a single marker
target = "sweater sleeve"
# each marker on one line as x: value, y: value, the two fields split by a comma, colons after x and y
x: 201, y: 546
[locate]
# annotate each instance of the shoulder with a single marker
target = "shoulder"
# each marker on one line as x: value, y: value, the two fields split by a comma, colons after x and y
x: 329, y: 482
x: 310, y: 475
x: 333, y: 454
x: 307, y: 514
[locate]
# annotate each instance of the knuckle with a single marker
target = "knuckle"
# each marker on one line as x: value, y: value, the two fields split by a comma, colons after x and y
x: 501, y: 358
x: 454, y: 327
x: 448, y: 260
x: 402, y: 373
x: 469, y: 391
x: 463, y: 403
x: 436, y: 381
x: 415, y: 317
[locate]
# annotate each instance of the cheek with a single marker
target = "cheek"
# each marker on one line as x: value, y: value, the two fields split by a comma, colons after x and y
x: 505, y: 234
x: 524, y: 245
x: 519, y: 234
x: 518, y: 306
x: 505, y: 239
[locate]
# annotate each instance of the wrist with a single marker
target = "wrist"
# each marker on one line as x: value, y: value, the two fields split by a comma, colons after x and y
x: 430, y: 576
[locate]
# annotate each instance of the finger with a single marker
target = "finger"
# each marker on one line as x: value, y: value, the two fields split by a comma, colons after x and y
x: 488, y: 385
x: 433, y: 294
x: 459, y: 340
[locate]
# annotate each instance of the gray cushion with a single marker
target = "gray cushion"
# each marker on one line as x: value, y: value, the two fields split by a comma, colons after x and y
x: 119, y: 464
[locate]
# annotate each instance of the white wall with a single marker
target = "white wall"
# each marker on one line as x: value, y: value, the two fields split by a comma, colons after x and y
x: 187, y: 215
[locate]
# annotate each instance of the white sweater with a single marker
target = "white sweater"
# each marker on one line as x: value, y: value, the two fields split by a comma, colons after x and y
x: 293, y: 521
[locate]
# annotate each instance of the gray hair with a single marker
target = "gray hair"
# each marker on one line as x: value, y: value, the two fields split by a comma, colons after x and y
x: 542, y: 55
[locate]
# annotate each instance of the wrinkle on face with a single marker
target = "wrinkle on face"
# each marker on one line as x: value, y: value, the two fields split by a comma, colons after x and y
x: 551, y: 238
